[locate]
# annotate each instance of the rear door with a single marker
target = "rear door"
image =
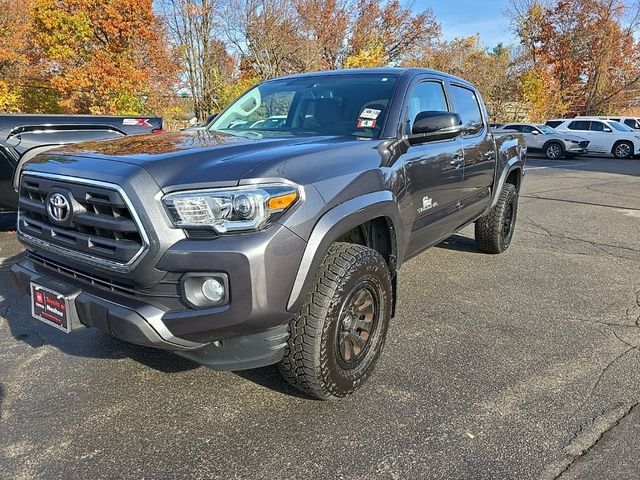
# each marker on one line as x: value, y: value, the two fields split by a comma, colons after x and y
x: 479, y: 151
x: 583, y: 129
x: 433, y: 172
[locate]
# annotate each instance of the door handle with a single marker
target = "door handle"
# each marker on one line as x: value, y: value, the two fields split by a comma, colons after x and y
x: 456, y: 161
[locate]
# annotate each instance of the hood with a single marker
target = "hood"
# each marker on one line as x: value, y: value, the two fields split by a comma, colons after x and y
x: 191, y: 157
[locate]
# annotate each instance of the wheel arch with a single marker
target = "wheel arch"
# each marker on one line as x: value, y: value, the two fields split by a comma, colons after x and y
x: 557, y: 142
x: 512, y: 173
x: 618, y: 142
x: 372, y: 220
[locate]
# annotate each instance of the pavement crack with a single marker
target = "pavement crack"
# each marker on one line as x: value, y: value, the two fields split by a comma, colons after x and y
x: 587, y: 438
x: 605, y: 369
x: 6, y: 310
x: 593, y: 204
x: 600, y: 246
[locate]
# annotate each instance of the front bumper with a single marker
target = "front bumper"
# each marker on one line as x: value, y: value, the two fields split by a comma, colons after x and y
x: 142, y: 323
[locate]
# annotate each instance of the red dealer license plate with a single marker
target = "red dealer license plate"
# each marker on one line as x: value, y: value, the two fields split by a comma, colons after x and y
x: 50, y: 307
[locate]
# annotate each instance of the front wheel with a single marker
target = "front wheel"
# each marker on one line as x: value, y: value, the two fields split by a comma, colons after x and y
x: 494, y: 231
x: 336, y: 339
x: 553, y: 151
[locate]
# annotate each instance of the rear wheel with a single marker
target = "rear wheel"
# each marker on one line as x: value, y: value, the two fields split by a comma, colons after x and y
x: 494, y: 231
x: 553, y: 151
x: 623, y: 150
x: 336, y: 339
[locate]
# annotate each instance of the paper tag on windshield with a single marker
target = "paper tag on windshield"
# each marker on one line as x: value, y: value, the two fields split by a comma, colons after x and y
x: 371, y: 113
x: 366, y: 123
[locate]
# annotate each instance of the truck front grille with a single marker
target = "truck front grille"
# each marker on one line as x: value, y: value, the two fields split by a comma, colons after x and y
x: 100, y: 228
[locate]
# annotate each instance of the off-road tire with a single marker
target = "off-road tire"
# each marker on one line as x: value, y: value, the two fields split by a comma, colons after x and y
x: 492, y: 234
x: 312, y: 358
x: 623, y: 150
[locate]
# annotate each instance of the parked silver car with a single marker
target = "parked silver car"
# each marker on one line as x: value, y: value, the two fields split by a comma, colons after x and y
x: 547, y: 140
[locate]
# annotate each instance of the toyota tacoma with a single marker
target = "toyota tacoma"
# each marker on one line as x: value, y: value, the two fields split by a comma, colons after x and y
x: 253, y: 242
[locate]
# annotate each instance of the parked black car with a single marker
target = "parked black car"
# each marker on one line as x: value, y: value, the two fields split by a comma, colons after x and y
x: 22, y: 137
x: 243, y: 247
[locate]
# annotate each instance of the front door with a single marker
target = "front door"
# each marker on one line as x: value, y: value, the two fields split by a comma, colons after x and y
x: 479, y: 153
x: 434, y: 173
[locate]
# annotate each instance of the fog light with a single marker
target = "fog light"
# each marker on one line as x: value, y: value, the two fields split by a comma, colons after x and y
x: 205, y: 290
x: 213, y: 290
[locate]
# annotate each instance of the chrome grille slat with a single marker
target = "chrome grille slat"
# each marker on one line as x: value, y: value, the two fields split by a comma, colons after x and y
x: 104, y: 229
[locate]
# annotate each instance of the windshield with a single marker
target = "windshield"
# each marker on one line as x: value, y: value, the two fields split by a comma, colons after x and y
x: 353, y: 105
x: 546, y: 129
x: 620, y: 127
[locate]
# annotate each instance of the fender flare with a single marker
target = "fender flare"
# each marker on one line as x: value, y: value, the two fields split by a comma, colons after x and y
x: 335, y: 223
x: 515, y: 163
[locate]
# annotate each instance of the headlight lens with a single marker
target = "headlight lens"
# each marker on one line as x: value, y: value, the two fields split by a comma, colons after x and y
x: 231, y: 209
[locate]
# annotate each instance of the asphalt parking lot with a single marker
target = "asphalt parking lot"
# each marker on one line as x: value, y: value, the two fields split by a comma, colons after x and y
x: 524, y: 365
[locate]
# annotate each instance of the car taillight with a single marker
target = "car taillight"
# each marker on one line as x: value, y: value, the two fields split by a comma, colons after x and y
x: 157, y: 130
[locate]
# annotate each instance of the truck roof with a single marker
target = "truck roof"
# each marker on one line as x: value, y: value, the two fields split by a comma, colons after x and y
x: 379, y: 71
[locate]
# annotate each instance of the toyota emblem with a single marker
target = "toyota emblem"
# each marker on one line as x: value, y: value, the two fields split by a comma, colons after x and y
x: 59, y: 207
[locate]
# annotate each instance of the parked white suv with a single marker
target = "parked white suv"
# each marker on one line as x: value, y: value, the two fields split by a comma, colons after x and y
x: 631, y: 122
x: 605, y: 136
x: 553, y: 144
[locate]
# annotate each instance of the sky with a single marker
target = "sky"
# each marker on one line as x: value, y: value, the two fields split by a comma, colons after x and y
x: 461, y: 18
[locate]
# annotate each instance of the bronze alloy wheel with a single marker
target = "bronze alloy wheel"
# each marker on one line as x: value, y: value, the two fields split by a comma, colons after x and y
x: 357, y: 322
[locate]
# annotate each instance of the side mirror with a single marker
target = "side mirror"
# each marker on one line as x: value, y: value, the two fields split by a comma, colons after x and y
x: 432, y: 126
x: 535, y: 132
x: 607, y: 129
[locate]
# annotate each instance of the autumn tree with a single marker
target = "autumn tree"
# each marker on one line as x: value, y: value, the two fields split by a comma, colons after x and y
x: 101, y: 56
x: 389, y: 32
x: 585, y: 49
x: 324, y: 25
x: 14, y: 28
x: 205, y: 60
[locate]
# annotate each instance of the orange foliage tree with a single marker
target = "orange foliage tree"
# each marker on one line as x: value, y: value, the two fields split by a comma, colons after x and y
x: 101, y: 56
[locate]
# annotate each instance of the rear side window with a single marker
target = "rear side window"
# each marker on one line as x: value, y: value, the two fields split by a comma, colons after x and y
x: 579, y: 125
x: 467, y: 106
x: 517, y: 128
x: 553, y: 123
x: 426, y: 97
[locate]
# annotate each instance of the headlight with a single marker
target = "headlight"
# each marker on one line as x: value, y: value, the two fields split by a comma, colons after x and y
x: 236, y: 209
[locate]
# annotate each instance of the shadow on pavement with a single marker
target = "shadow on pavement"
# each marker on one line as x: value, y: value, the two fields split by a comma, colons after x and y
x: 7, y: 221
x: 270, y: 378
x: 90, y: 343
x: 460, y: 243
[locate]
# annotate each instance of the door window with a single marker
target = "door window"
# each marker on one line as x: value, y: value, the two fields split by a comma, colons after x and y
x: 426, y: 97
x: 579, y: 125
x: 529, y: 129
x: 517, y: 128
x: 632, y: 123
x: 599, y: 127
x: 467, y: 106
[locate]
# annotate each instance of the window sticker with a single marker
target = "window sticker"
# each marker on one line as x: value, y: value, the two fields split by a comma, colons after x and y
x: 370, y: 113
x: 366, y: 123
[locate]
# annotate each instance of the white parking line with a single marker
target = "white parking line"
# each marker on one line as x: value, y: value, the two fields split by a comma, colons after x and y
x: 554, y: 166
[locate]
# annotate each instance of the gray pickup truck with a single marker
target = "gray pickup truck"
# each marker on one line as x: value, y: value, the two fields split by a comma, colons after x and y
x: 243, y: 245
